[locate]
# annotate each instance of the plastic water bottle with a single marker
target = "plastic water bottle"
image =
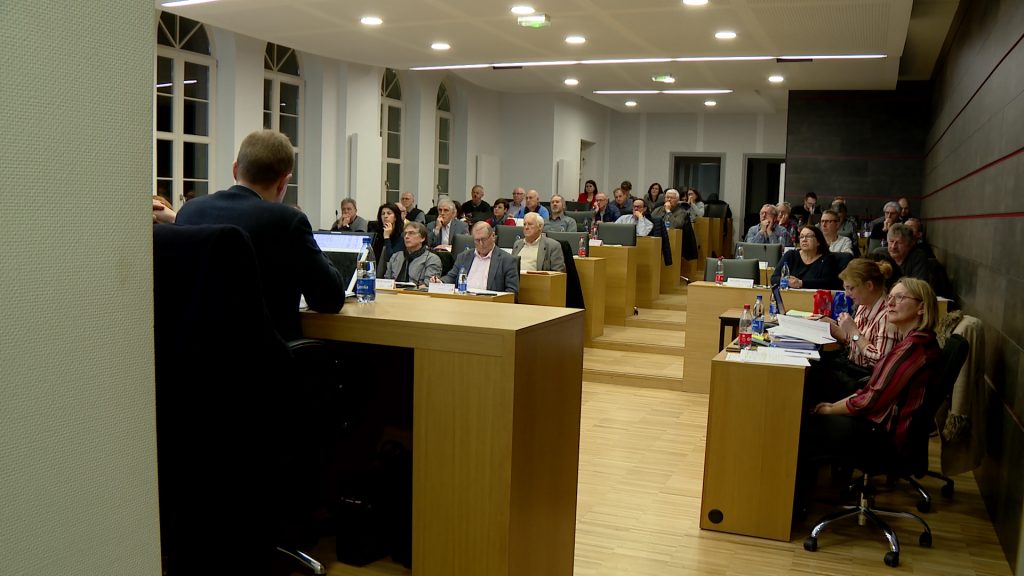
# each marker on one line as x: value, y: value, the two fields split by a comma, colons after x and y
x: 720, y: 273
x: 746, y: 323
x: 757, y: 326
x: 840, y: 304
x: 739, y: 252
x: 460, y: 285
x: 371, y: 281
x: 362, y: 291
x: 773, y: 310
x: 784, y: 277
x: 582, y: 252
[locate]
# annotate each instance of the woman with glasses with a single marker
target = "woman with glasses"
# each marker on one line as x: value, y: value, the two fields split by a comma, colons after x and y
x: 811, y: 266
x: 830, y: 229
x: 869, y: 419
x: 414, y: 263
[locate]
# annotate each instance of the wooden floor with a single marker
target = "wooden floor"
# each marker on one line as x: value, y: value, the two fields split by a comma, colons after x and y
x: 640, y: 478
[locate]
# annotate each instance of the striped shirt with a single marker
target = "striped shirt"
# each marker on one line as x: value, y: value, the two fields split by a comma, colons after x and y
x: 913, y: 363
x: 876, y: 331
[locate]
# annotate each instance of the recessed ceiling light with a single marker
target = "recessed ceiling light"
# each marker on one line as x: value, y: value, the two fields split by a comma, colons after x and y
x: 575, y: 39
x: 664, y: 78
x: 522, y: 10
x: 440, y: 46
x: 695, y: 2
x: 371, y: 21
x: 775, y: 79
x: 630, y: 103
x: 725, y: 34
x: 710, y: 103
x: 571, y: 82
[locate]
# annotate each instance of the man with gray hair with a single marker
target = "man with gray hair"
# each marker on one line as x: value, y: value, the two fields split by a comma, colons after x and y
x: 676, y: 212
x: 890, y: 216
x: 349, y: 220
x: 557, y: 220
x: 447, y: 225
x: 638, y: 217
x: 768, y: 231
x: 904, y: 250
x: 487, y: 267
x: 518, y: 201
x: 535, y: 251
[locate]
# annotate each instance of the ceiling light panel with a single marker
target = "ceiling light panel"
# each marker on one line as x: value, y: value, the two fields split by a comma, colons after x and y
x: 575, y: 39
x: 440, y: 46
x: 725, y: 34
x: 522, y: 10
x: 371, y: 21
x: 571, y: 82
x: 631, y: 103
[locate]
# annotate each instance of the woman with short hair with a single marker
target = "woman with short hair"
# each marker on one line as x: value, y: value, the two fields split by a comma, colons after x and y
x: 414, y: 263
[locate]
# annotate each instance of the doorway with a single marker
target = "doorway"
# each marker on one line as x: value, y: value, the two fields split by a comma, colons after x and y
x: 764, y: 176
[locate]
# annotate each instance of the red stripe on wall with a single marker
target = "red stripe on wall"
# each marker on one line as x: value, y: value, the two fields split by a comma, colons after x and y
x: 872, y: 158
x: 976, y: 216
x: 975, y: 172
x: 971, y: 99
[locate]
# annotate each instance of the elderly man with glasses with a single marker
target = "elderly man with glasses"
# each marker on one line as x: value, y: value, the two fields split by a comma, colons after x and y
x: 442, y: 233
x: 487, y: 267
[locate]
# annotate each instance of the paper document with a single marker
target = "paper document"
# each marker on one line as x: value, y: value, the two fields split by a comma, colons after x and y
x: 771, y: 356
x: 810, y: 330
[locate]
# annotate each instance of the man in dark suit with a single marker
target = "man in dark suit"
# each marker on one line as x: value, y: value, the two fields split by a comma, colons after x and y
x: 442, y: 233
x: 487, y: 267
x: 537, y: 252
x: 290, y: 262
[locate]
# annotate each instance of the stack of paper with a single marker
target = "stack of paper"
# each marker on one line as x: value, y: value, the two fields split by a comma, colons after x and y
x: 800, y: 333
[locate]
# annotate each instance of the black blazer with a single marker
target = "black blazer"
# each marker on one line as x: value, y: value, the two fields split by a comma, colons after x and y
x: 290, y: 262
x: 823, y: 273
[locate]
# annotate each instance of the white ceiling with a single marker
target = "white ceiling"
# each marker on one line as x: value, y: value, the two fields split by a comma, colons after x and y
x: 910, y: 33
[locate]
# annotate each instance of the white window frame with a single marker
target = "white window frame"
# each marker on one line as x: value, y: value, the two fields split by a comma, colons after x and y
x: 438, y: 166
x: 385, y: 104
x: 276, y: 79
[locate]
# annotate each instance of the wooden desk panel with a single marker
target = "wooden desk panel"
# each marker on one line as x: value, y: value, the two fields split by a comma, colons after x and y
x: 544, y: 289
x: 621, y: 285
x: 495, y: 458
x: 670, y: 274
x: 593, y: 281
x: 751, y: 450
x: 648, y: 270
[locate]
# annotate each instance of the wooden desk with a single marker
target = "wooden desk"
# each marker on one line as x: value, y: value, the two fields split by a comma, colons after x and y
x: 648, y: 270
x: 496, y: 427
x: 620, y: 291
x: 542, y: 289
x: 505, y: 297
x: 670, y: 274
x: 751, y: 450
x: 593, y: 282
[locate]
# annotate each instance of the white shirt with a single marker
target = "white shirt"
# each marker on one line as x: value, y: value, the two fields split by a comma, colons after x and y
x: 528, y: 255
x: 477, y: 277
x: 842, y: 244
x: 643, y: 225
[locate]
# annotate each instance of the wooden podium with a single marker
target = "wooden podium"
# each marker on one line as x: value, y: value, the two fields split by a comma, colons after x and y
x: 648, y: 270
x: 542, y: 288
x: 621, y: 285
x: 593, y: 278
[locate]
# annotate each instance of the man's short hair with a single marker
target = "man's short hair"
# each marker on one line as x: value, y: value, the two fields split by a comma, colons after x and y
x: 891, y: 206
x: 483, y: 225
x: 264, y: 157
x: 626, y: 186
x: 535, y: 218
x: 446, y: 202
x: 418, y: 227
x: 502, y: 201
x: 559, y: 196
x: 351, y: 201
x: 831, y: 212
x: 810, y: 195
x: 786, y: 205
x: 840, y: 207
x: 902, y: 231
x: 672, y: 191
x: 771, y: 209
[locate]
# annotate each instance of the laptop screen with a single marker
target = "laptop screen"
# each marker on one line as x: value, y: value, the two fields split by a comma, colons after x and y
x: 777, y: 293
x: 329, y: 242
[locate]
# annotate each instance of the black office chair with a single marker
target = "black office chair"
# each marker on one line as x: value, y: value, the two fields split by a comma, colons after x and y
x: 770, y: 253
x: 910, y: 459
x: 461, y: 243
x: 733, y: 268
x: 233, y: 420
x: 447, y: 260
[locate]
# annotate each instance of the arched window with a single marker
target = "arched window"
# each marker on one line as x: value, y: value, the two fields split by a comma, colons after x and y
x: 391, y: 134
x: 183, y: 122
x: 282, y: 104
x: 444, y: 141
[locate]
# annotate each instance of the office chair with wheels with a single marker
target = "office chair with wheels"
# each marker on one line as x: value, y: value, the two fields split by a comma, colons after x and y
x: 886, y: 459
x: 734, y: 268
x: 232, y: 425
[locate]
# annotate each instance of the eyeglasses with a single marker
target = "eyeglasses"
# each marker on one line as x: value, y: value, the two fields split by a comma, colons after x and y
x: 899, y: 298
x: 807, y: 237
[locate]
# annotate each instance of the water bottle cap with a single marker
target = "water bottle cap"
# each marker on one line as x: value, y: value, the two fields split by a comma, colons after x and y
x: 746, y: 306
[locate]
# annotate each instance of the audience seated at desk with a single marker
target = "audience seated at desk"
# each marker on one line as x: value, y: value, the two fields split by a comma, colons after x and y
x: 809, y: 208
x: 638, y: 216
x: 867, y: 335
x: 890, y: 216
x: 655, y: 197
x: 388, y: 239
x: 786, y: 220
x: 412, y: 212
x: 414, y: 263
x: 696, y: 204
x: 476, y: 202
x: 903, y: 248
x: 557, y: 220
x: 443, y: 232
x: 589, y: 194
x: 499, y: 214
x: 830, y: 228
x: 518, y: 201
x: 533, y: 205
x: 768, y: 231
x: 622, y: 200
x: 864, y: 422
x: 847, y: 225
x: 603, y: 211
x: 290, y: 262
x: 350, y: 220
x: 810, y: 266
x: 917, y: 228
x: 487, y: 267
x: 675, y: 212
x: 536, y: 251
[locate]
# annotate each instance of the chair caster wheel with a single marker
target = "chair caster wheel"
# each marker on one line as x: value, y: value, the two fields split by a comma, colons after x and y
x: 947, y: 490
x: 811, y: 544
x: 924, y: 506
x: 925, y: 539
x: 892, y: 559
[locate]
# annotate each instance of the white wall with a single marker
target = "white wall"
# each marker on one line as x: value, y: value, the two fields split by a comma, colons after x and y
x: 578, y: 119
x: 477, y: 142
x: 360, y: 102
x: 239, y: 98
x: 78, y: 476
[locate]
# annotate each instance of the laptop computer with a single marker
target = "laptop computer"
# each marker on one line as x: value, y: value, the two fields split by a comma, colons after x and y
x: 344, y: 250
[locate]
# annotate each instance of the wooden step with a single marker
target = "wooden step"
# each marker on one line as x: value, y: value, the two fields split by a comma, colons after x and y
x: 631, y: 368
x: 661, y: 319
x: 650, y: 340
x: 670, y: 302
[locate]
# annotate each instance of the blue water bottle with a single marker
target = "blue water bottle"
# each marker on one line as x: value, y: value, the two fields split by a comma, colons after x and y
x: 460, y: 286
